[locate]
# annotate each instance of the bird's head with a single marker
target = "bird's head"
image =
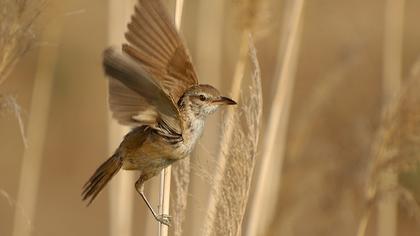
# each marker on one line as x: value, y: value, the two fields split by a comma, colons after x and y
x: 203, y: 100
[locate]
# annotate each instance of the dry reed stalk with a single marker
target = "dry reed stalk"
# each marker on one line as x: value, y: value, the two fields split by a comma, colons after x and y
x: 250, y: 18
x: 299, y: 200
x: 179, y: 199
x: 231, y: 194
x: 121, y: 189
x: 9, y: 104
x: 37, y: 127
x: 392, y: 64
x: 268, y: 181
x: 395, y: 146
x: 164, y: 197
x: 229, y: 118
x: 165, y: 176
x: 248, y: 13
x: 16, y: 37
x: 207, y: 58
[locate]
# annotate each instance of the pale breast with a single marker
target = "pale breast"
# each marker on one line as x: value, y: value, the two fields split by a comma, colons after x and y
x: 192, y: 132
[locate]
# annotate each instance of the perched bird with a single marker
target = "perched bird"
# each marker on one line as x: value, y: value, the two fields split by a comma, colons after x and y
x: 153, y: 88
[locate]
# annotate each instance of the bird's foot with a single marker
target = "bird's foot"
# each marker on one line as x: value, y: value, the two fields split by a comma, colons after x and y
x: 164, y: 219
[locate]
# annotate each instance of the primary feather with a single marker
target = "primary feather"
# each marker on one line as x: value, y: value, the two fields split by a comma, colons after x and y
x: 154, y: 42
x: 129, y: 74
x: 154, y: 61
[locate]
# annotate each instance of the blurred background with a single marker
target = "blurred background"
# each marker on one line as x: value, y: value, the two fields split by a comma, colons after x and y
x: 344, y: 153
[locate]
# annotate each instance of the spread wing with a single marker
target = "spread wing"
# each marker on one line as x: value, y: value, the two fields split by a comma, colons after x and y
x: 134, y: 97
x: 128, y: 107
x: 153, y: 72
x: 154, y: 42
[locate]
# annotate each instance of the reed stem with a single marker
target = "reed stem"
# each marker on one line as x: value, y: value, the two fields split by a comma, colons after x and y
x: 268, y: 182
x: 392, y: 66
x: 121, y: 188
x: 165, y: 175
x: 37, y: 128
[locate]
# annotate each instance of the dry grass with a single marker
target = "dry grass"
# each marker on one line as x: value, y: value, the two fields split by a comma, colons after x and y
x: 9, y: 104
x: 30, y: 172
x: 179, y: 198
x: 329, y: 187
x: 16, y: 37
x: 335, y: 130
x: 231, y: 194
x: 253, y: 16
x: 250, y: 16
x: 17, y: 18
x: 270, y: 172
x: 180, y: 172
x: 392, y: 72
x: 395, y: 148
x: 16, y: 34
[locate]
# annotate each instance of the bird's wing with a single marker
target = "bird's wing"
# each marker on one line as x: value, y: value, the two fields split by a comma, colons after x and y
x: 128, y: 107
x: 134, y: 97
x: 154, y: 42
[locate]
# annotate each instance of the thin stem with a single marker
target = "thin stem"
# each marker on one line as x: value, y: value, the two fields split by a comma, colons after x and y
x: 208, y: 53
x: 361, y: 231
x: 392, y: 66
x: 121, y: 189
x: 268, y: 181
x: 165, y: 175
x: 37, y: 127
x: 227, y: 137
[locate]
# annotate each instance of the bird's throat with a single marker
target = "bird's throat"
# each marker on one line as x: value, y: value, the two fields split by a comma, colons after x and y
x: 192, y: 131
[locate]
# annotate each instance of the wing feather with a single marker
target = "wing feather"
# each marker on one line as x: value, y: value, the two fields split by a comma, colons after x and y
x: 134, y: 97
x: 148, y: 80
x: 126, y: 106
x: 154, y: 42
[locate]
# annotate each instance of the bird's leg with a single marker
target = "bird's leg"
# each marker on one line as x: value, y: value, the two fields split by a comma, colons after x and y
x: 163, y: 218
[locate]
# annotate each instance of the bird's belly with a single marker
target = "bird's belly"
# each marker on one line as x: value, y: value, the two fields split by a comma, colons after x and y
x: 146, y: 164
x: 153, y: 155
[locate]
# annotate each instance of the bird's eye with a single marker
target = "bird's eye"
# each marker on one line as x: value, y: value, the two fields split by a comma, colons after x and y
x: 202, y: 98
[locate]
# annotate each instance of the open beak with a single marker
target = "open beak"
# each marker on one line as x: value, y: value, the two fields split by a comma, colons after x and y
x: 224, y: 101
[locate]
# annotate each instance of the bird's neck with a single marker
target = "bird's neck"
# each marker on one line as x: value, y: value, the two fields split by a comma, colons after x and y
x: 192, y: 123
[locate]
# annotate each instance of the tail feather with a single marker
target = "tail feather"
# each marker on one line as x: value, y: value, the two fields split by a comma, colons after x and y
x: 101, y: 177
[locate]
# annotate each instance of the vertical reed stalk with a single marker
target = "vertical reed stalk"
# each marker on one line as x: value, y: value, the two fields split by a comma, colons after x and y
x: 392, y: 63
x: 361, y: 230
x: 37, y: 127
x: 232, y: 192
x: 207, y: 57
x: 392, y: 59
x: 268, y: 182
x: 239, y: 72
x: 16, y: 37
x: 164, y: 197
x: 121, y: 188
x: 250, y: 23
x: 230, y: 113
x: 165, y: 176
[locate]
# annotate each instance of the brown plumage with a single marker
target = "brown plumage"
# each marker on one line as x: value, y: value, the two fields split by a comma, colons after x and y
x: 153, y: 87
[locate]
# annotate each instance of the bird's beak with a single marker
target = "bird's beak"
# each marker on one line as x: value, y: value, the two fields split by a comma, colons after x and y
x: 224, y: 101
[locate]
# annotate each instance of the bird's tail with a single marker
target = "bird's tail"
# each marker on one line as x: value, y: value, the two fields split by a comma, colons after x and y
x: 101, y: 177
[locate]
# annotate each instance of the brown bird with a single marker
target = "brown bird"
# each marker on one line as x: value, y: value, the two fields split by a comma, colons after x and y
x: 153, y: 87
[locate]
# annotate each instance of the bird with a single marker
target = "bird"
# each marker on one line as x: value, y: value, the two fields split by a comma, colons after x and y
x: 153, y: 88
